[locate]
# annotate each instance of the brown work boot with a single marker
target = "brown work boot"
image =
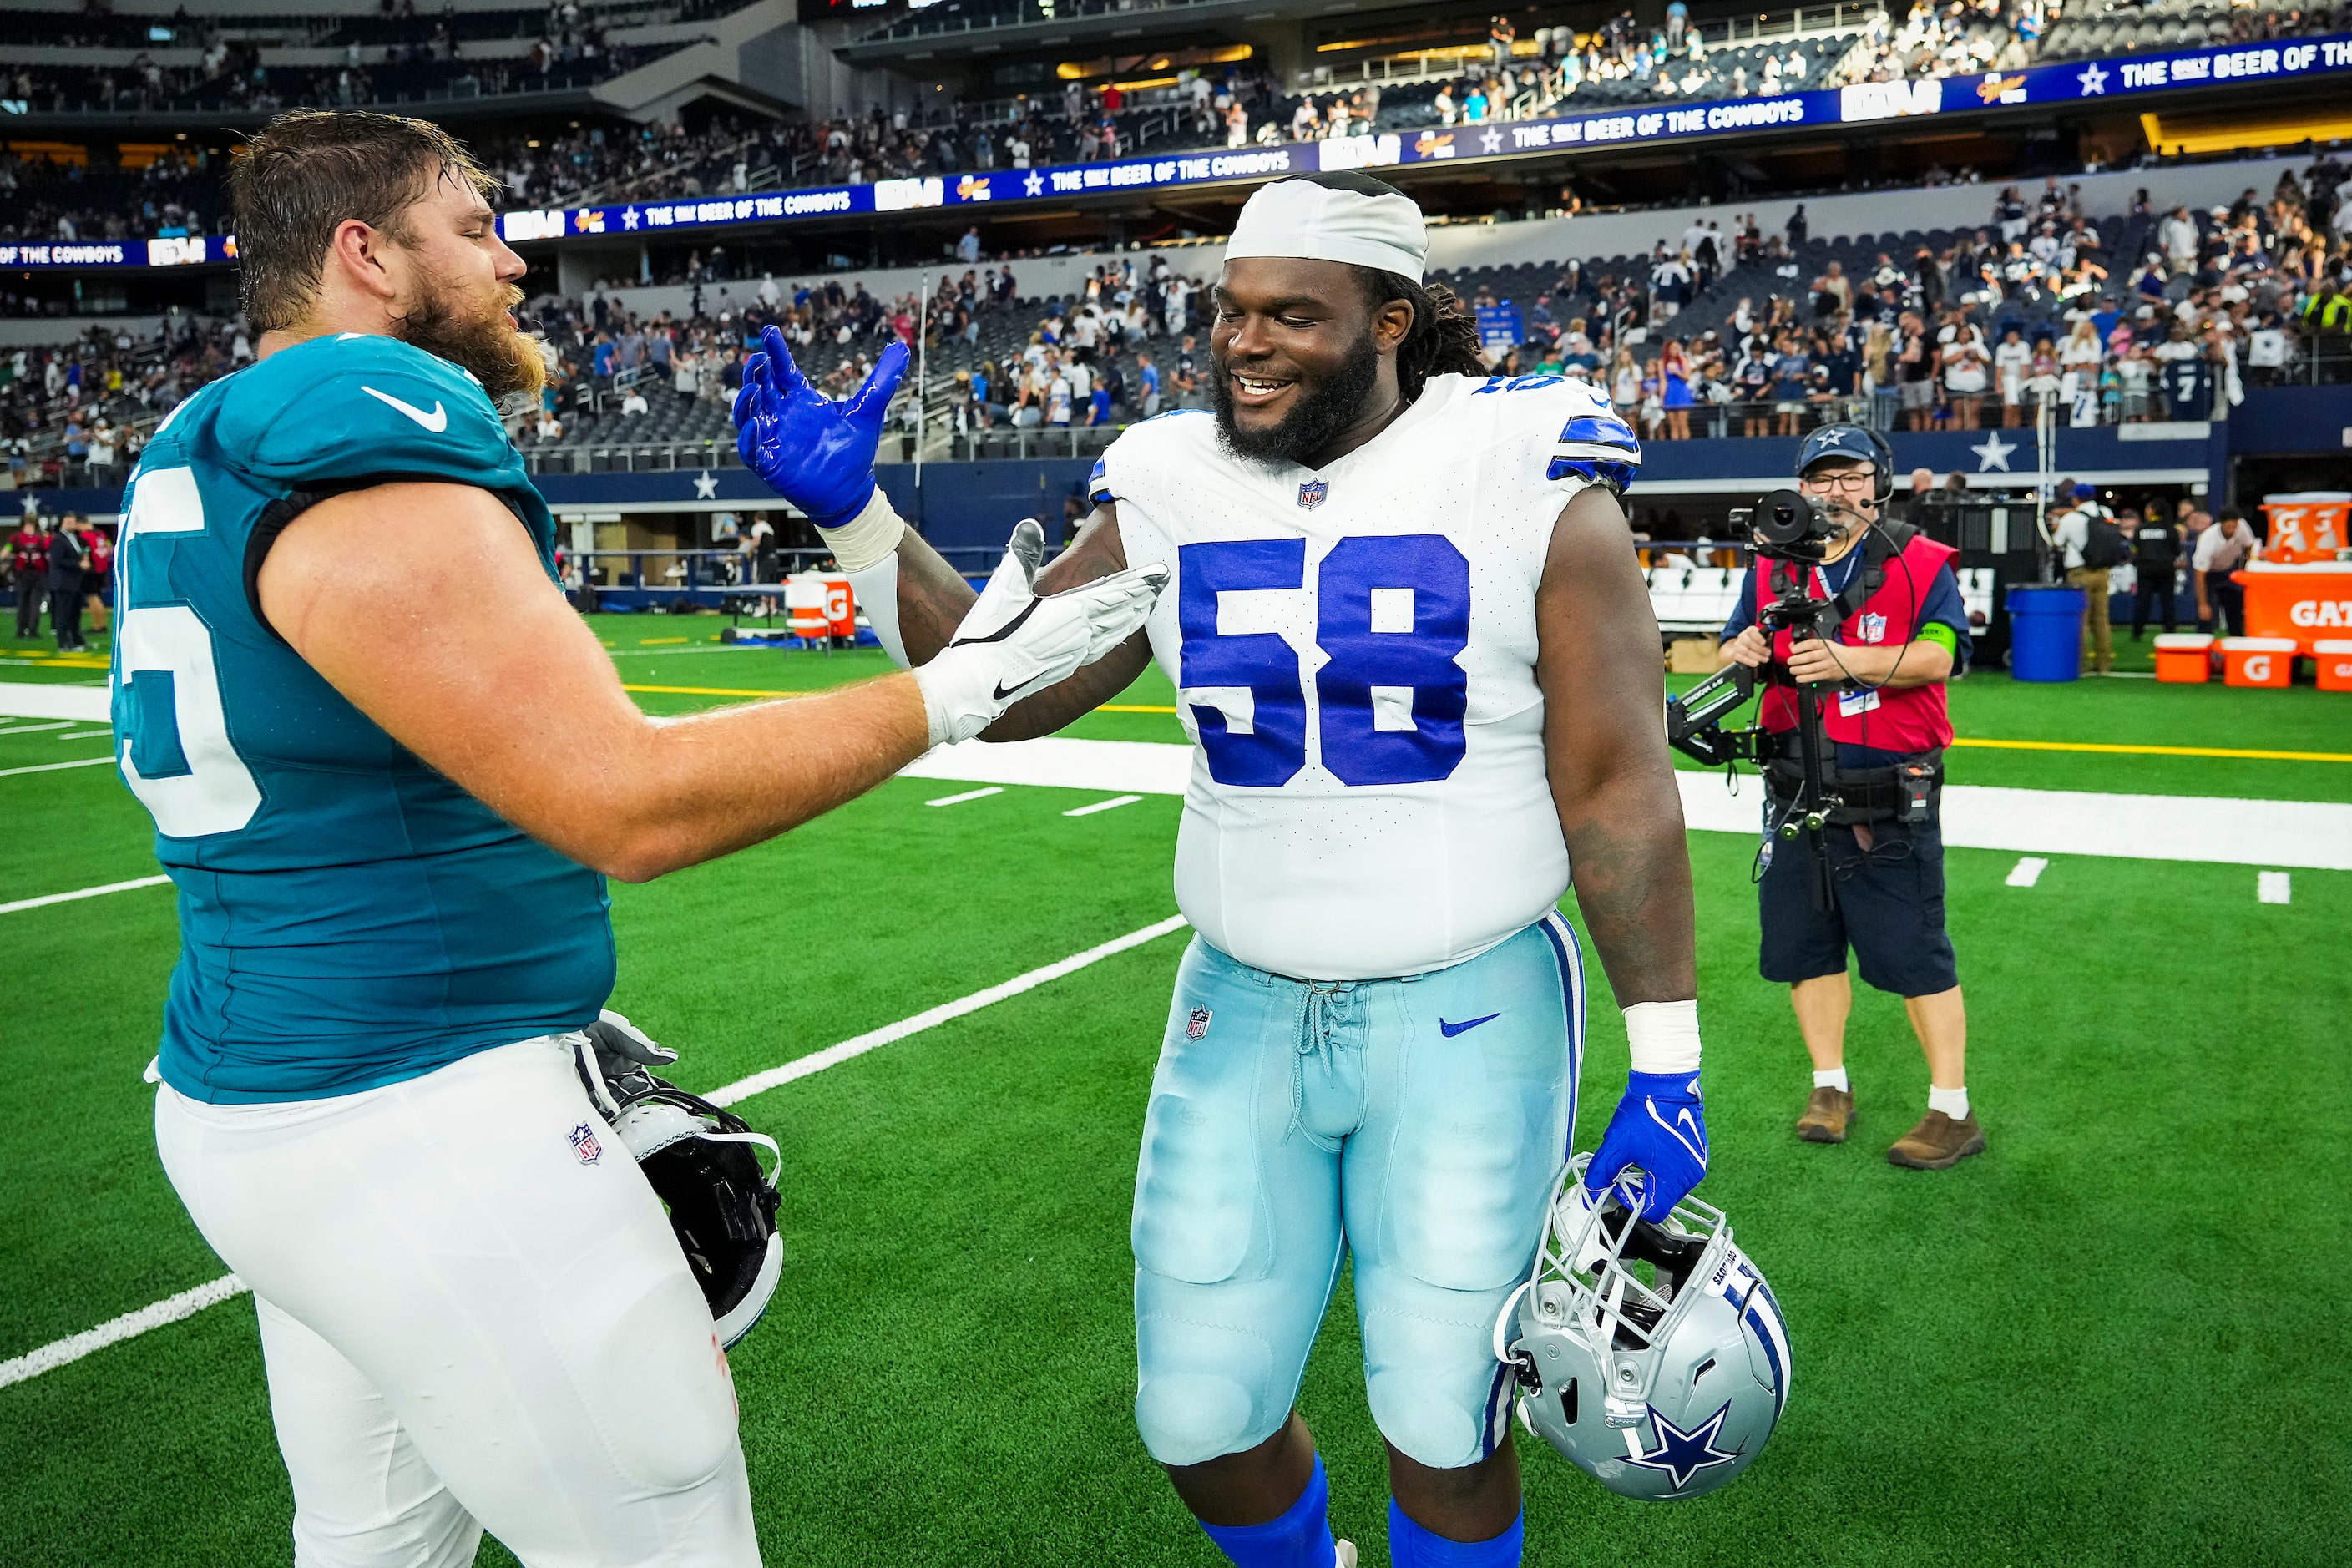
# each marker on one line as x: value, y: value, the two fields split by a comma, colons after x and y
x: 1828, y: 1114
x: 1938, y: 1143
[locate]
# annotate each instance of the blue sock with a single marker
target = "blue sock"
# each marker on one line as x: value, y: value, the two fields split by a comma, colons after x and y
x: 1301, y: 1537
x: 1411, y: 1546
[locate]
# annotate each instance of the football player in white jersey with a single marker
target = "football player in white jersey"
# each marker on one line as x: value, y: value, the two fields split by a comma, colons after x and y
x: 1414, y: 648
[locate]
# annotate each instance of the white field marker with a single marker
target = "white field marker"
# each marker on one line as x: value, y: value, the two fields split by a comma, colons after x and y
x: 2274, y: 887
x: 968, y: 795
x: 89, y: 735
x: 2027, y: 871
x: 47, y: 898
x: 187, y: 1303
x: 37, y: 729
x: 1113, y: 804
x: 53, y: 767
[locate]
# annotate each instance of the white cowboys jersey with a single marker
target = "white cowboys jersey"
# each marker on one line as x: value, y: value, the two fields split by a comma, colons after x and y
x: 1354, y: 653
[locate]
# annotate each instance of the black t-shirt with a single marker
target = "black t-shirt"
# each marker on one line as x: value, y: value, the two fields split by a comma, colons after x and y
x: 2154, y: 547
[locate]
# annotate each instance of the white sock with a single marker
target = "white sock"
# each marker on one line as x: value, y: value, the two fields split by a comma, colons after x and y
x: 1833, y: 1079
x: 1952, y: 1102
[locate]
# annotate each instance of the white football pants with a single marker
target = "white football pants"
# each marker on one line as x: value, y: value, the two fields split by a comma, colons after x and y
x: 473, y: 1313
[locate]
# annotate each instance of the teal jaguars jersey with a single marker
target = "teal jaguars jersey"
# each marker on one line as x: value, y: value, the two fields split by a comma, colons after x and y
x: 349, y: 918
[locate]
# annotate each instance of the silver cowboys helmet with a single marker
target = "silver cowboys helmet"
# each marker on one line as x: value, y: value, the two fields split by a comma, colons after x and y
x: 699, y: 1159
x: 1653, y: 1355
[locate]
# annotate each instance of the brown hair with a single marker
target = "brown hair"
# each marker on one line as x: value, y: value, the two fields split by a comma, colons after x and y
x: 309, y: 170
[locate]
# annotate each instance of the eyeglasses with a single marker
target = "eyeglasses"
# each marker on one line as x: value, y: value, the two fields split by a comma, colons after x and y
x: 1853, y: 482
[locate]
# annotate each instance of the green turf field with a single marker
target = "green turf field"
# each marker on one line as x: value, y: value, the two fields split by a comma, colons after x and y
x: 2112, y: 1340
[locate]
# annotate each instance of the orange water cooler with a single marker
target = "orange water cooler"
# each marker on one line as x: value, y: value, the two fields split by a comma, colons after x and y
x: 2258, y: 662
x: 2334, y: 655
x: 2305, y: 525
x: 2184, y: 656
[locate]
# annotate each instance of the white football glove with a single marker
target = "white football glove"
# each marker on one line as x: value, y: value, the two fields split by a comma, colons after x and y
x: 1014, y: 644
x: 614, y: 1049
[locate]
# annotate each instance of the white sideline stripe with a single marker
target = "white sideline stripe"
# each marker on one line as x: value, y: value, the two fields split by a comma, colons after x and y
x: 832, y: 1056
x: 37, y: 729
x: 72, y: 1348
x: 31, y: 700
x: 2316, y: 835
x: 2274, y: 887
x: 968, y: 795
x: 89, y: 735
x: 46, y: 898
x: 95, y: 763
x: 187, y: 1303
x: 2028, y: 871
x: 1113, y: 804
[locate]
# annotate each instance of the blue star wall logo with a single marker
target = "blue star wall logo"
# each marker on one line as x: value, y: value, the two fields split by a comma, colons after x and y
x: 1992, y: 453
x: 1034, y: 184
x: 2094, y: 80
x: 1681, y: 1454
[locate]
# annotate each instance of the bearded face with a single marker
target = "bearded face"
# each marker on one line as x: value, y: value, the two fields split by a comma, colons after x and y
x: 475, y: 328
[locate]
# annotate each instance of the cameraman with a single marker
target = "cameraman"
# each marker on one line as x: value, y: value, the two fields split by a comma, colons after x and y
x: 1900, y: 632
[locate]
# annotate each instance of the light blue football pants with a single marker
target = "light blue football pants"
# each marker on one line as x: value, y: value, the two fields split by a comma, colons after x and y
x: 1419, y: 1121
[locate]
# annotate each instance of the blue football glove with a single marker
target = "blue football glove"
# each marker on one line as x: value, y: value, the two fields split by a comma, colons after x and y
x: 1659, y: 1132
x: 814, y: 452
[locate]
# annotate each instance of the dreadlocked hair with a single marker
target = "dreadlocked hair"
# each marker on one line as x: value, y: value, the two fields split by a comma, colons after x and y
x: 1443, y: 338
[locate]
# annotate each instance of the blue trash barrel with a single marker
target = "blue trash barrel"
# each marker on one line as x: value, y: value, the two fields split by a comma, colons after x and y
x: 2045, y: 633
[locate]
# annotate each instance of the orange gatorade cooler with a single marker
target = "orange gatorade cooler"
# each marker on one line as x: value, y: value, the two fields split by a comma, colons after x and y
x: 2186, y: 656
x: 2306, y: 525
x: 840, y: 606
x: 2334, y: 664
x: 2257, y: 662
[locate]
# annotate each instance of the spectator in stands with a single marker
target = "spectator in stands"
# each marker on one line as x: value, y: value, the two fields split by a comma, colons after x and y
x: 2221, y: 549
x: 1914, y: 372
x: 1966, y: 364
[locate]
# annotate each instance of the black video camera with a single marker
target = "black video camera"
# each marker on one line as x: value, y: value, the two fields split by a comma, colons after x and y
x: 1788, y: 525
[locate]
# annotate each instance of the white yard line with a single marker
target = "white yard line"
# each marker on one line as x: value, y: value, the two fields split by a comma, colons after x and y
x: 88, y: 735
x: 968, y: 795
x: 47, y: 898
x: 53, y: 767
x: 2046, y: 822
x: 2028, y: 871
x: 2274, y: 887
x: 37, y: 729
x: 1113, y: 804
x: 34, y: 700
x: 187, y: 1303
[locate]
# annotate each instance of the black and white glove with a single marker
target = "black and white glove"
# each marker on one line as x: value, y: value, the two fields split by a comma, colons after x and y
x: 1014, y: 644
x: 617, y: 1050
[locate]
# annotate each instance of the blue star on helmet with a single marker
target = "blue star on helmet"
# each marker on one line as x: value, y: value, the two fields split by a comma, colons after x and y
x: 1681, y: 1454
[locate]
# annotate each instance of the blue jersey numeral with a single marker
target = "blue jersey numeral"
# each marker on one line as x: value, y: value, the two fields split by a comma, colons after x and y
x: 1365, y: 588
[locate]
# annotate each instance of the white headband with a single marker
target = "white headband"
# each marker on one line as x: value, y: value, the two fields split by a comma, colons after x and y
x: 1302, y: 220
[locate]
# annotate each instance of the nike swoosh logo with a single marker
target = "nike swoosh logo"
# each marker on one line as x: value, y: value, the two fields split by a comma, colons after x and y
x: 1004, y: 691
x: 437, y: 421
x: 1450, y: 1030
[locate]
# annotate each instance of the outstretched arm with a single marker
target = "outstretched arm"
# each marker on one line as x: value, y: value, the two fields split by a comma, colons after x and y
x: 932, y: 598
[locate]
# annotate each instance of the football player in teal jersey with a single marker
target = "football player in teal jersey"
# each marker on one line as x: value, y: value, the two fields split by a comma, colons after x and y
x: 390, y: 771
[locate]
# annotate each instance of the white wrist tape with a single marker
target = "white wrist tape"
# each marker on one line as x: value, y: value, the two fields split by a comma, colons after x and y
x: 867, y: 539
x: 1664, y: 1036
x: 877, y: 590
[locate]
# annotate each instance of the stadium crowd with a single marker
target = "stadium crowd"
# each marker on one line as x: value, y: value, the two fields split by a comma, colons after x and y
x: 1549, y: 69
x: 2161, y: 313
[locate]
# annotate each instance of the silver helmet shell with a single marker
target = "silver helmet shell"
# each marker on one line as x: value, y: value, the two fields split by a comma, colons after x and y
x: 1653, y: 1355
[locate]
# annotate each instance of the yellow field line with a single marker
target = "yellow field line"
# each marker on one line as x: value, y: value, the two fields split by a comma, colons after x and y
x: 657, y: 642
x: 714, y: 692
x: 2159, y: 751
x: 1132, y: 708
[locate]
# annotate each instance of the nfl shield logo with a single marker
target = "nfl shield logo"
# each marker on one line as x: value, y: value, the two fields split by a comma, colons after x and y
x: 1873, y: 628
x: 584, y: 1144
x: 1311, y: 493
x: 1199, y: 1025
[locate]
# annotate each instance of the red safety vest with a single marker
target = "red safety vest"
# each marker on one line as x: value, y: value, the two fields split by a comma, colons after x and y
x: 1909, y: 720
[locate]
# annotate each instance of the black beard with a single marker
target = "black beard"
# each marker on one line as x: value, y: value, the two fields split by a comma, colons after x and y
x: 1322, y: 413
x: 504, y: 361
